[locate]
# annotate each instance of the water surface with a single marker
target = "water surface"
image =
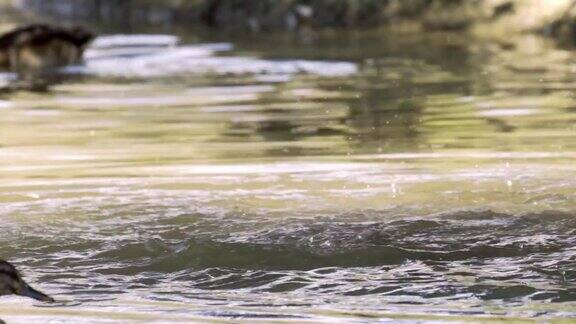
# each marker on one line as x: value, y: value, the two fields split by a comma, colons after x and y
x: 328, y: 178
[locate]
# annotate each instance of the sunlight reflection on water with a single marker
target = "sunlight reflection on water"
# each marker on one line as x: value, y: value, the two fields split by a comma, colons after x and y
x: 119, y: 57
x: 348, y: 180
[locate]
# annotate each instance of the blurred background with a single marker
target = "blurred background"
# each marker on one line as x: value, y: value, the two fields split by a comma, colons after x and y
x: 296, y: 160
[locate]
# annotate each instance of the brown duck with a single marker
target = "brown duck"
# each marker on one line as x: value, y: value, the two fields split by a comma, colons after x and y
x: 40, y: 47
x: 11, y: 283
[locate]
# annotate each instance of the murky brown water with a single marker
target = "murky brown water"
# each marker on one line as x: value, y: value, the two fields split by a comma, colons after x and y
x: 341, y: 178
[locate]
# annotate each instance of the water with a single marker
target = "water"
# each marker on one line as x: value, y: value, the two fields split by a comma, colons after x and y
x: 348, y: 177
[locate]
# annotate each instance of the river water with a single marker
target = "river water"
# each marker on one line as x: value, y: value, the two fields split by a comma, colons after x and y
x: 317, y: 178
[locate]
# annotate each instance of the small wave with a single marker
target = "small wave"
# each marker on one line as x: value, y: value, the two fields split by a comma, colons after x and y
x: 203, y: 242
x: 446, y: 258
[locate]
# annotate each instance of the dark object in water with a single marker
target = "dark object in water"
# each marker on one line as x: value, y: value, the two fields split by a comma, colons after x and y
x: 40, y: 47
x: 11, y: 283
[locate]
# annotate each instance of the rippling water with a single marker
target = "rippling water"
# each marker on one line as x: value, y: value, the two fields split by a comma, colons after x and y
x: 344, y: 178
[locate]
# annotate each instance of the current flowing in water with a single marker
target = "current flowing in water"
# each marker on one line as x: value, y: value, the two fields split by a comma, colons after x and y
x: 352, y: 177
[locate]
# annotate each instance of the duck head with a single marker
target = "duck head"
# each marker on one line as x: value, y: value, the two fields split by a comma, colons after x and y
x: 11, y: 283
